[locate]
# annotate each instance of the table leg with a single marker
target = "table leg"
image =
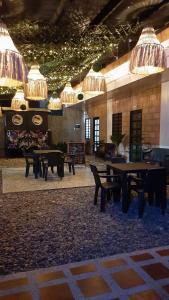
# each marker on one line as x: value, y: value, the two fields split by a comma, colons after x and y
x: 125, y: 200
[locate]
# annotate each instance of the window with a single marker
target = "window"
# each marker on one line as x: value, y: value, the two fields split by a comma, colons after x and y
x: 96, y: 132
x: 117, y: 124
x: 87, y: 128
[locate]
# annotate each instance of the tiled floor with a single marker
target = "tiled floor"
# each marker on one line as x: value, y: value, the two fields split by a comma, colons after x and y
x: 142, y: 275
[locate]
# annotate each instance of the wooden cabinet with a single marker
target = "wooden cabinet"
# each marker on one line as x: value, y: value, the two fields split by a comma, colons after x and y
x: 77, y: 148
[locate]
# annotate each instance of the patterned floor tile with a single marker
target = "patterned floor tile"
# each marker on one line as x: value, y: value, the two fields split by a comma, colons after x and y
x: 9, y: 284
x: 157, y: 271
x: 83, y: 269
x: 127, y: 279
x: 50, y: 276
x: 163, y: 252
x: 166, y: 287
x: 56, y: 292
x: 113, y: 263
x: 146, y: 295
x: 19, y: 296
x: 141, y: 257
x: 93, y: 286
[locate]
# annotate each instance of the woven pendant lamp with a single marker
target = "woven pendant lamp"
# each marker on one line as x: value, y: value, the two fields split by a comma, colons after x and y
x: 94, y: 83
x: 68, y: 95
x: 55, y: 104
x: 36, y: 88
x: 18, y: 101
x: 13, y: 71
x: 148, y: 56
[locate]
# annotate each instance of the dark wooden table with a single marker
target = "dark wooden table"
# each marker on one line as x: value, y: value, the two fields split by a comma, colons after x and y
x: 43, y: 153
x: 46, y: 151
x: 126, y: 168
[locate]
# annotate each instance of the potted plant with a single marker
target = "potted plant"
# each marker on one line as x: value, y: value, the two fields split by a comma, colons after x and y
x: 116, y: 140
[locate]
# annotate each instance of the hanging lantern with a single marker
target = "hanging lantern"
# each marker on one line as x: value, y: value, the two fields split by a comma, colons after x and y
x: 54, y: 104
x: 68, y: 95
x: 36, y: 88
x: 94, y: 83
x: 148, y: 56
x: 13, y: 71
x: 18, y: 101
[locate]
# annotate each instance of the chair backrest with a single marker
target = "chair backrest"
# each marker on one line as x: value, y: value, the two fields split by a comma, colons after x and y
x: 166, y: 163
x: 95, y: 174
x: 116, y: 159
x: 155, y: 180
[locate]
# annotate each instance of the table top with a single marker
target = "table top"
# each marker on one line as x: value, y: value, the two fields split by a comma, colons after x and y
x: 133, y: 167
x: 46, y: 151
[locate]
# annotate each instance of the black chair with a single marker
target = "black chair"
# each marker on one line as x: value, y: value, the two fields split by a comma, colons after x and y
x: 31, y: 159
x: 166, y: 166
x: 53, y: 160
x: 152, y: 182
x: 70, y: 160
x: 106, y: 187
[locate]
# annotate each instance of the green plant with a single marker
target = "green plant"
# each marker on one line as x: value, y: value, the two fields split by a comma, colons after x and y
x: 117, y: 138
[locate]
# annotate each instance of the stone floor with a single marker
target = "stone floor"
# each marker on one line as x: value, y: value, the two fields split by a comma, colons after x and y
x: 141, y: 275
x: 26, y: 219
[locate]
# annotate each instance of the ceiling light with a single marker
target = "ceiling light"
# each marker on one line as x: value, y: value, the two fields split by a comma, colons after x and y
x: 148, y: 56
x: 36, y: 88
x: 18, y: 101
x: 13, y: 72
x: 94, y: 83
x: 55, y: 104
x: 68, y: 95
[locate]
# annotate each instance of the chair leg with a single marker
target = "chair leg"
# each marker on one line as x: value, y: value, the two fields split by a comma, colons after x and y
x: 163, y: 201
x: 150, y: 198
x: 73, y: 168
x: 96, y: 195
x: 103, y: 200
x: 116, y: 195
x: 141, y: 204
x: 69, y: 165
x: 46, y: 173
x: 27, y: 171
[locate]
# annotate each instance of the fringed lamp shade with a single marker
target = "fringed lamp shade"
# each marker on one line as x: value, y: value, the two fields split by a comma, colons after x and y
x: 68, y: 95
x: 36, y: 88
x: 148, y: 56
x: 55, y: 104
x: 94, y: 83
x: 19, y: 102
x: 13, y: 71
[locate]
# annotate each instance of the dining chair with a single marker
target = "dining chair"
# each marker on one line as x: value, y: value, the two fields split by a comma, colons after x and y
x: 153, y: 182
x: 53, y: 160
x: 31, y: 159
x: 70, y: 160
x: 107, y: 188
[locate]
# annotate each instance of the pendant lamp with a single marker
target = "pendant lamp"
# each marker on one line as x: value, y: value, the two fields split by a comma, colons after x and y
x: 148, y: 56
x: 55, y: 104
x: 13, y: 71
x: 36, y: 88
x: 94, y: 83
x: 68, y: 95
x: 18, y: 101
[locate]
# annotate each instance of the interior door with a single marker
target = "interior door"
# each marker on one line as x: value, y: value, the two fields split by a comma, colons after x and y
x: 136, y: 135
x: 96, y: 133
